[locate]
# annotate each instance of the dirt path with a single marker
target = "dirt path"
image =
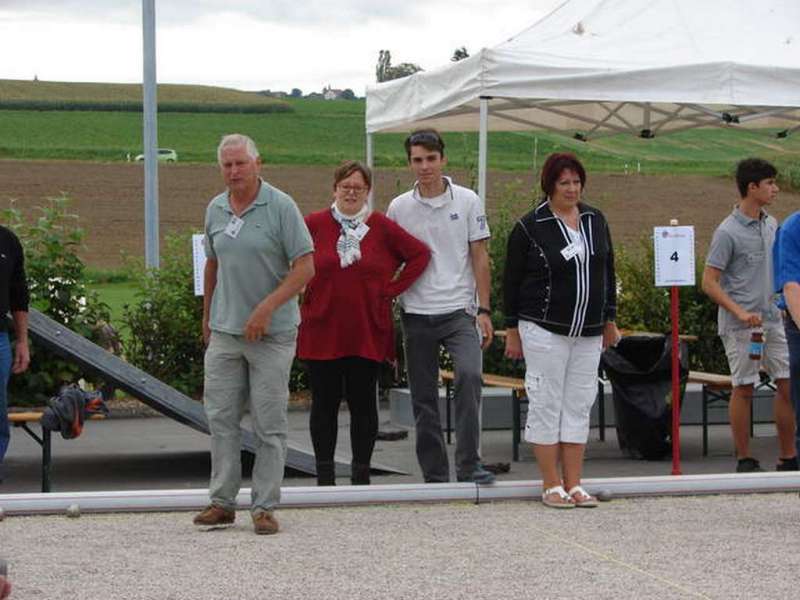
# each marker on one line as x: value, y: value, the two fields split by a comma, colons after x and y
x: 109, y: 198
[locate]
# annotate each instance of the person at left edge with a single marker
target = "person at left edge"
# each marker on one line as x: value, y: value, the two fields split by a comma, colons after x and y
x: 259, y: 256
x: 346, y: 330
x: 14, y: 297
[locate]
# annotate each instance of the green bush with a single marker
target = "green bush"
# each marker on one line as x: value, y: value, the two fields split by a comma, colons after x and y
x: 56, y: 279
x: 164, y: 323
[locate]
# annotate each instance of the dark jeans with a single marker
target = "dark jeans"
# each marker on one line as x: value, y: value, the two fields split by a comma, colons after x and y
x: 353, y: 379
x: 5, y: 372
x: 457, y: 333
x: 793, y: 340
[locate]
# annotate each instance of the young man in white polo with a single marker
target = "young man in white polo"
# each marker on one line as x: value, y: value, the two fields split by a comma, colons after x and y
x: 738, y: 277
x: 447, y: 307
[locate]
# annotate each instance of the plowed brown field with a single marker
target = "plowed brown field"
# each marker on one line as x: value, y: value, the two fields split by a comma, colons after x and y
x: 109, y: 198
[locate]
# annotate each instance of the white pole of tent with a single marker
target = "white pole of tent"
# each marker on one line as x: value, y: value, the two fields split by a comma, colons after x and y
x: 370, y: 161
x: 370, y: 157
x: 149, y: 111
x: 483, y: 136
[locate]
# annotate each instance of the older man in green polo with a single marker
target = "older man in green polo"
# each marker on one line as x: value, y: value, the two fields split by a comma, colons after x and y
x: 258, y: 257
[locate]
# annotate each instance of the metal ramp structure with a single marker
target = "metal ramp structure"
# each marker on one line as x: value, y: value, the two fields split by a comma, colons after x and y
x: 155, y: 393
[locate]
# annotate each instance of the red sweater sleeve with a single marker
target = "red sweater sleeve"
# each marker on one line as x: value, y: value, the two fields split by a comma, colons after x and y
x: 409, y: 250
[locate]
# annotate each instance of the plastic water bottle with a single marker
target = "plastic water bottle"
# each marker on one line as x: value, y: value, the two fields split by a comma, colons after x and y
x: 756, y: 344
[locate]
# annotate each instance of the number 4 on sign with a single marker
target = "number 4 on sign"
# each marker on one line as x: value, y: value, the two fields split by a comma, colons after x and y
x: 674, y: 256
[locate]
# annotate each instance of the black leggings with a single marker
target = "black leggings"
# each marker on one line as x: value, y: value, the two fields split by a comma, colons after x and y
x: 351, y: 378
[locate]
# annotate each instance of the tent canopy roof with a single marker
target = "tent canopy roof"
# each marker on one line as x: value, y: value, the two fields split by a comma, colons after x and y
x: 607, y: 66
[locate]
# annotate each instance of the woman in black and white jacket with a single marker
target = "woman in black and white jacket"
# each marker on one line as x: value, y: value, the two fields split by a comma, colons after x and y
x: 560, y: 297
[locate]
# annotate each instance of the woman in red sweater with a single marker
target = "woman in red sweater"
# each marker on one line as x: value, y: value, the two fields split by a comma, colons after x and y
x: 346, y: 328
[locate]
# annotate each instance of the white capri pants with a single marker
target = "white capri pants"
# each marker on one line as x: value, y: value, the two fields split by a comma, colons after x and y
x: 561, y: 383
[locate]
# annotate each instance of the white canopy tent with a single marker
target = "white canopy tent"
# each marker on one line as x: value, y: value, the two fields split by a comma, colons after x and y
x: 604, y: 67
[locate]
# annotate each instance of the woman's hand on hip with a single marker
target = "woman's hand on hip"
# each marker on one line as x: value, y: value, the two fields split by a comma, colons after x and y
x: 513, y: 344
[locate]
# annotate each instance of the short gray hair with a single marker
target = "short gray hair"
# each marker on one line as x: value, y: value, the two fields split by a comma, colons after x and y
x: 237, y: 140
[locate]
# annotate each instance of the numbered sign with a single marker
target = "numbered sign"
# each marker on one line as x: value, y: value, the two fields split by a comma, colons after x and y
x: 199, y: 261
x: 674, y: 255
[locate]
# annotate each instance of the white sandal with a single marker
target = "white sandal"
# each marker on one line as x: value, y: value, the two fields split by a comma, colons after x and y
x: 582, y: 498
x: 565, y: 500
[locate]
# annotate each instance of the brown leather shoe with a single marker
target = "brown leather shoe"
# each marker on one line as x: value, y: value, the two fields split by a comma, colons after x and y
x: 213, y: 516
x: 265, y: 523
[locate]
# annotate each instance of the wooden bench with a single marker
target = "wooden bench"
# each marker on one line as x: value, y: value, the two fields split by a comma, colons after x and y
x: 717, y: 388
x: 24, y: 420
x: 518, y: 398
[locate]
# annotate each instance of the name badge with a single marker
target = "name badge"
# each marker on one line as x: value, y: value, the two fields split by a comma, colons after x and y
x: 234, y: 226
x: 570, y: 251
x: 360, y: 231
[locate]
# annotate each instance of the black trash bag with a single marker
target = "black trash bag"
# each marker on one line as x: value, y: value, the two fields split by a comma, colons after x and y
x: 640, y: 370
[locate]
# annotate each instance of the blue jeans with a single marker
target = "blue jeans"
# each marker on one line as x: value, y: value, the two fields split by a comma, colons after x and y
x: 5, y: 372
x: 793, y: 341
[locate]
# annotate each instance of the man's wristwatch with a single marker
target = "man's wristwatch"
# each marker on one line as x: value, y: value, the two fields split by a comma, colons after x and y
x: 482, y: 310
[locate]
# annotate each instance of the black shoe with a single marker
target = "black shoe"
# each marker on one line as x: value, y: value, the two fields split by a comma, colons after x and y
x: 788, y: 464
x: 326, y: 473
x: 480, y: 476
x: 748, y: 465
x: 359, y: 474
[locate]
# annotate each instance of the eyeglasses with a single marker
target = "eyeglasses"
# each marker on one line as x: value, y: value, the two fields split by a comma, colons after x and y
x: 352, y: 189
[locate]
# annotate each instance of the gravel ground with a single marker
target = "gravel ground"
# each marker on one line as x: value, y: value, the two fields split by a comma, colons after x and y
x: 709, y: 547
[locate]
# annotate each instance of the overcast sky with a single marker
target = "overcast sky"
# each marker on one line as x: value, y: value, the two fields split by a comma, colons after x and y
x: 249, y: 44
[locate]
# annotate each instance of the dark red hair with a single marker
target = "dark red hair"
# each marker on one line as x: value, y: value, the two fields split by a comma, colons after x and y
x: 555, y: 165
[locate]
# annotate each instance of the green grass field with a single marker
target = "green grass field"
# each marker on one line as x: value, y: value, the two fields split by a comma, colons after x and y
x: 320, y: 132
x: 116, y: 295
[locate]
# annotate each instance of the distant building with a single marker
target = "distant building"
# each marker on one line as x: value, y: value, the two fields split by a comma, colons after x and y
x: 330, y: 93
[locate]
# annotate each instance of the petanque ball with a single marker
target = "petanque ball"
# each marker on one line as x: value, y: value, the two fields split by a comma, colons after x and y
x: 73, y: 511
x: 605, y: 495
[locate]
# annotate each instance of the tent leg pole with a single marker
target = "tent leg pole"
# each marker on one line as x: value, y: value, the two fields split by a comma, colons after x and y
x: 370, y: 160
x: 483, y: 136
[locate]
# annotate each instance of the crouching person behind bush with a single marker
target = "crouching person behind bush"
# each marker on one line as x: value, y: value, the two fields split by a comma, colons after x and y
x: 259, y: 256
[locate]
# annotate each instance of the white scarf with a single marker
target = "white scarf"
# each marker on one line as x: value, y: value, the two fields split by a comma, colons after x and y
x: 349, y: 243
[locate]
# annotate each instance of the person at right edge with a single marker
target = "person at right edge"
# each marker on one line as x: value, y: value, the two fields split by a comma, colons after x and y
x: 559, y: 292
x: 786, y: 259
x: 738, y: 277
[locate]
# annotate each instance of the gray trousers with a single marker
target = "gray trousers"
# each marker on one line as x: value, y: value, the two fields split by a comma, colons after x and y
x: 240, y: 374
x: 424, y: 335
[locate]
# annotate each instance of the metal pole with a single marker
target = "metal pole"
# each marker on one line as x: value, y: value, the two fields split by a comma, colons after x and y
x: 483, y: 136
x: 370, y: 156
x: 345, y: 495
x: 370, y: 160
x: 149, y: 111
x: 676, y: 375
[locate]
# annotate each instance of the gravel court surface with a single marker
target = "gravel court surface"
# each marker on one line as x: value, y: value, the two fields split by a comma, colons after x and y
x: 694, y: 547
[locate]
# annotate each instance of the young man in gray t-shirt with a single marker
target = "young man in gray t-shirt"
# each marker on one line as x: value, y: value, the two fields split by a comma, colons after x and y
x: 447, y: 307
x: 738, y: 277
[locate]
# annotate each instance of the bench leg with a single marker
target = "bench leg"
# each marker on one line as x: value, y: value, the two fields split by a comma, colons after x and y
x: 46, y: 455
x: 705, y: 421
x: 516, y: 407
x: 601, y: 410
x: 448, y: 397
